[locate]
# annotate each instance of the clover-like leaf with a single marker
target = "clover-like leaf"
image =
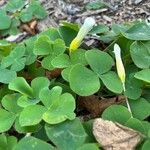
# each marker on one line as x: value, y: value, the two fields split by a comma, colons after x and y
x: 31, y: 115
x: 20, y: 85
x: 61, y: 61
x: 7, y: 142
x: 43, y: 46
x: 32, y: 143
x: 139, y: 31
x: 14, y: 5
x: 65, y: 73
x: 24, y: 101
x: 117, y: 113
x: 37, y: 10
x: 60, y: 106
x: 15, y: 59
x: 146, y: 145
x: 77, y: 57
x: 30, y: 56
x: 133, y: 86
x: 140, y: 53
x: 48, y: 97
x: 9, y: 102
x: 5, y: 20
x: 137, y: 108
x: 143, y: 75
x: 112, y: 82
x: 7, y: 76
x: 135, y: 124
x: 99, y: 29
x: 68, y: 133
x: 34, y: 10
x: 38, y: 84
x: 99, y: 61
x: 83, y: 81
x: 6, y: 120
x: 89, y: 146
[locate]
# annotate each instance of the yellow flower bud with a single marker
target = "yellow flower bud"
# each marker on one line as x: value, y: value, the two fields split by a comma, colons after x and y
x: 85, y: 28
x: 119, y: 64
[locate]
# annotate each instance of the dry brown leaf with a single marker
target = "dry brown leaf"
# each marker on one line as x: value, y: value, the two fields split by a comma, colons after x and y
x: 114, y: 136
x: 96, y: 105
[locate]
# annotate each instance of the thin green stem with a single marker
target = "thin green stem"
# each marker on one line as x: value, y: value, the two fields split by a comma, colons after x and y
x: 126, y: 99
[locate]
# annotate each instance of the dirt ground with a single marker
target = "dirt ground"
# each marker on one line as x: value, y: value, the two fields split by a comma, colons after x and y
x: 115, y: 11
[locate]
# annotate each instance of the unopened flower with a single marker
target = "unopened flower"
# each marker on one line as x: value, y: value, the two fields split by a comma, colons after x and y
x: 119, y: 64
x: 85, y: 28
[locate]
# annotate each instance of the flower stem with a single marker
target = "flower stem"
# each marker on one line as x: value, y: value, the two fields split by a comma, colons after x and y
x: 126, y: 99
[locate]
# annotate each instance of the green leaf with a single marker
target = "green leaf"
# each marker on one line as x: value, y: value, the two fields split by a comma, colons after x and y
x: 26, y: 129
x: 31, y: 115
x: 11, y: 142
x: 139, y: 31
x: 7, y: 76
x: 146, y: 126
x: 99, y: 61
x: 66, y: 134
x: 58, y: 47
x: 46, y: 62
x: 30, y: 56
x: 140, y: 108
x: 38, y: 84
x: 32, y: 143
x: 140, y: 53
x: 7, y: 142
x: 13, y: 29
x: 15, y: 59
x: 70, y: 25
x: 48, y: 97
x: 61, y: 61
x: 6, y: 120
x: 78, y: 56
x: 83, y: 81
x: 133, y: 87
x: 146, y: 145
x: 5, y: 20
x: 67, y: 34
x: 9, y: 102
x: 143, y: 75
x: 89, y: 146
x: 61, y: 110
x: 14, y: 5
x: 37, y: 10
x: 20, y: 85
x: 112, y: 82
x: 135, y: 124
x: 65, y: 73
x: 95, y: 5
x: 3, y: 141
x: 60, y: 107
x: 116, y: 113
x: 99, y: 29
x: 24, y: 101
x: 43, y: 46
x: 52, y: 33
x: 25, y: 16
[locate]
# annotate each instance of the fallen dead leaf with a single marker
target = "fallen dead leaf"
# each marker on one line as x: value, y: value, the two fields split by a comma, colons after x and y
x: 114, y: 136
x: 96, y: 105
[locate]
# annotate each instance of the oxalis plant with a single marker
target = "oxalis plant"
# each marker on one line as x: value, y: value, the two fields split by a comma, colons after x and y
x: 42, y: 77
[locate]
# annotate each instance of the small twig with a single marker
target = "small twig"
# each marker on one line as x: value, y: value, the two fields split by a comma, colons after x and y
x: 89, y: 13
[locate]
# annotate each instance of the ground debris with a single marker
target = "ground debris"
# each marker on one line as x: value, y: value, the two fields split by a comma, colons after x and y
x: 96, y: 105
x: 114, y: 136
